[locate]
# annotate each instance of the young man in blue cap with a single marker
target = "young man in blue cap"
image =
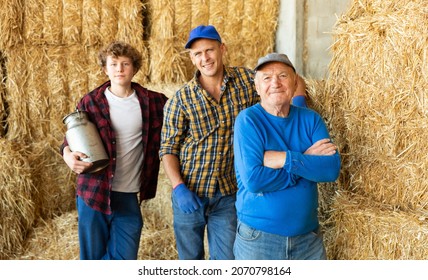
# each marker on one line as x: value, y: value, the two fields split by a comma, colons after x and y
x: 196, y: 147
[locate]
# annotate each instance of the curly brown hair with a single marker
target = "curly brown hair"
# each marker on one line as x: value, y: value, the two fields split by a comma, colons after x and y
x: 119, y: 48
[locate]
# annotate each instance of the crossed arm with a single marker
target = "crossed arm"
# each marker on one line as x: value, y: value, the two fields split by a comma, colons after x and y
x: 276, y: 159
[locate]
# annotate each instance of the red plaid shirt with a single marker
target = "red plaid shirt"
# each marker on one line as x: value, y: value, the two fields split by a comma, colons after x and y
x: 95, y: 188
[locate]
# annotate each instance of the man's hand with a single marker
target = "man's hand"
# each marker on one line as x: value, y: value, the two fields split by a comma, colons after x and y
x: 188, y: 201
x: 74, y: 162
x: 322, y: 147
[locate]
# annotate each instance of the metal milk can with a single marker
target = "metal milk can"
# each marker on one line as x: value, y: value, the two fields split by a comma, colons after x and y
x: 83, y: 136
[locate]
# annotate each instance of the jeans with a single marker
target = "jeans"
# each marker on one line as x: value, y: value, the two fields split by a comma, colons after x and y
x: 253, y: 244
x: 110, y: 237
x: 218, y: 214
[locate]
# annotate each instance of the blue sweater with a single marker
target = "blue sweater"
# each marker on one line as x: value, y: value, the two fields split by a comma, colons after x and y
x: 280, y: 201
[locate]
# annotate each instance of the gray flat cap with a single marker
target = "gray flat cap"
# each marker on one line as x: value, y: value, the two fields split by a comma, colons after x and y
x: 274, y: 57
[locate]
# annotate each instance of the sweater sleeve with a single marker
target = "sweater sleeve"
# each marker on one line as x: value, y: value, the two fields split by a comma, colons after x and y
x: 312, y: 167
x: 249, y: 153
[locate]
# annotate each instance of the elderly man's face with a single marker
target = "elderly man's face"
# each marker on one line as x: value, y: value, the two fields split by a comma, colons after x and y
x: 275, y: 83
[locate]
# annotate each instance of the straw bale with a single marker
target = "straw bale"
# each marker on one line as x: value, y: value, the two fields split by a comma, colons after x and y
x: 200, y: 12
x: 37, y: 92
x: 217, y: 14
x: 53, y: 22
x: 166, y: 62
x: 72, y: 22
x: 54, y: 181
x: 91, y: 22
x: 34, y: 22
x: 109, y: 20
x: 95, y: 74
x: 182, y: 27
x: 131, y: 30
x: 57, y: 89
x: 182, y: 20
x: 17, y: 96
x: 16, y: 191
x: 364, y: 230
x: 53, y: 239
x: 11, y: 22
x: 76, y: 72
x: 232, y: 29
x: 258, y: 30
x: 378, y: 74
x: 157, y: 240
x: 168, y: 89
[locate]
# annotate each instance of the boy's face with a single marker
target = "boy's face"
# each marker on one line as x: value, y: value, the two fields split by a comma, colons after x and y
x: 120, y: 70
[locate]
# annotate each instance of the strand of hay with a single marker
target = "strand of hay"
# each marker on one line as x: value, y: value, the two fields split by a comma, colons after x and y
x: 91, y: 22
x: 53, y: 20
x: 364, y: 230
x: 16, y: 204
x: 379, y: 53
x: 3, y: 113
x: 72, y: 22
x: 34, y: 21
x: 11, y: 22
x: 109, y: 20
x: 200, y: 12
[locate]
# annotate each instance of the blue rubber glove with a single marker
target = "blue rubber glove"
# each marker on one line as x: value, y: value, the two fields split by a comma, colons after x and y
x: 299, y: 100
x: 188, y: 201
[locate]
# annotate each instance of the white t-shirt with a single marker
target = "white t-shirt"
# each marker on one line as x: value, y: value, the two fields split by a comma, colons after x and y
x: 125, y: 114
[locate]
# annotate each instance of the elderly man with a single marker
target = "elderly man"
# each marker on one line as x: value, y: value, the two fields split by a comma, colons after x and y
x: 281, y: 152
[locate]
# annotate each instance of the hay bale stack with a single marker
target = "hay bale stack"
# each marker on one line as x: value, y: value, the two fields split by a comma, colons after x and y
x: 248, y: 32
x: 378, y: 117
x: 17, y: 189
x: 379, y: 75
x: 365, y: 230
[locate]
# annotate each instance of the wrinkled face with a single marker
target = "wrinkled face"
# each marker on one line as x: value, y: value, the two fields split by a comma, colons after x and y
x: 207, y: 56
x: 120, y: 70
x: 275, y: 83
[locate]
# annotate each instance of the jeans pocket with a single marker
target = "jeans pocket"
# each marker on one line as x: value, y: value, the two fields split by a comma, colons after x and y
x: 246, y: 232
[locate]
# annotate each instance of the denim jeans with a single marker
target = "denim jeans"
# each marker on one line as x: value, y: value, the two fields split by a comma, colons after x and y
x: 253, y: 244
x: 218, y: 215
x: 110, y: 237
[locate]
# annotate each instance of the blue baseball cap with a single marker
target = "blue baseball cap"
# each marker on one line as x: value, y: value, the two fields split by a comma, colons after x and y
x: 202, y: 32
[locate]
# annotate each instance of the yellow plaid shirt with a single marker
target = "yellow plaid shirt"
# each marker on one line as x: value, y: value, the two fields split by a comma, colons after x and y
x: 199, y: 130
